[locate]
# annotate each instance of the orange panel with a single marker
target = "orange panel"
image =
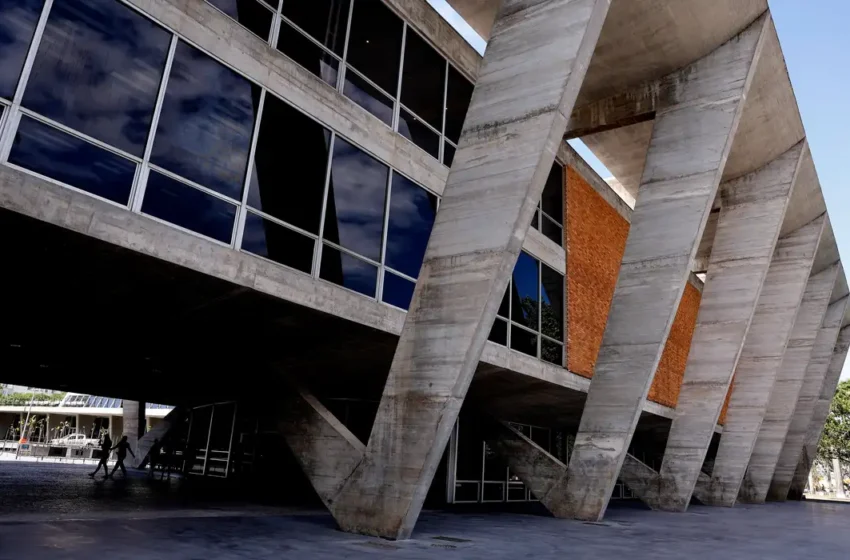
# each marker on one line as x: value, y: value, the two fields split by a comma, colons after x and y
x: 722, y: 419
x: 596, y: 239
x: 671, y: 369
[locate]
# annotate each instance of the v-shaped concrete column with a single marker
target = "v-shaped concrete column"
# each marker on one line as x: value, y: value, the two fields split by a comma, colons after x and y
x: 786, y: 390
x: 760, y: 360
x: 751, y: 215
x: 819, y: 414
x: 697, y: 115
x: 527, y: 85
x: 809, y: 393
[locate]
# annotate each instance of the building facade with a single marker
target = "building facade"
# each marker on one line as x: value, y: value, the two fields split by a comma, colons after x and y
x: 338, y: 212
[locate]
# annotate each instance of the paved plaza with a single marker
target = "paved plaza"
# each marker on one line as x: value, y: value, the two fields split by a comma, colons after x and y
x: 57, y: 512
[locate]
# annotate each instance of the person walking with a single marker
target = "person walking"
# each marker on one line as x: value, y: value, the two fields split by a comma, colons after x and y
x: 105, y: 448
x: 123, y: 447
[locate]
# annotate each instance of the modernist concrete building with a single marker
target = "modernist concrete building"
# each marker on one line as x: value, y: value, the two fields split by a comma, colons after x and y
x: 339, y: 209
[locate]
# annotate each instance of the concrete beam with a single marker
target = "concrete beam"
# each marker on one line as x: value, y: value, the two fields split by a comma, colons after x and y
x: 528, y: 83
x: 691, y: 139
x: 810, y: 391
x: 751, y: 215
x: 819, y: 414
x: 761, y: 358
x: 786, y: 389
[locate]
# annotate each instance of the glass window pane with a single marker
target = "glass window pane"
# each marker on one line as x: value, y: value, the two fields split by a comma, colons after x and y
x: 374, y: 46
x: 60, y: 156
x: 324, y: 20
x: 367, y: 96
x: 535, y: 220
x: 458, y: 96
x: 552, y: 230
x: 412, y: 128
x: 448, y: 154
x: 354, y: 217
x: 504, y: 306
x: 398, y: 291
x: 525, y: 284
x: 499, y: 332
x: 290, y: 166
x: 552, y: 352
x: 109, y: 61
x: 423, y: 80
x: 350, y: 272
x: 18, y: 19
x: 412, y: 213
x: 552, y: 201
x: 306, y: 53
x: 204, y: 131
x: 188, y: 207
x: 552, y: 307
x: 250, y: 13
x: 275, y: 242
x: 523, y: 341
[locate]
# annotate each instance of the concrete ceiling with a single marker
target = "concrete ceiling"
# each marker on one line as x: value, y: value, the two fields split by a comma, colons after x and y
x: 623, y: 152
x: 807, y: 201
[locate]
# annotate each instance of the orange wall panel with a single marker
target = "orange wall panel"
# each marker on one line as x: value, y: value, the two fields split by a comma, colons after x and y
x: 671, y: 368
x: 596, y: 239
x: 722, y: 419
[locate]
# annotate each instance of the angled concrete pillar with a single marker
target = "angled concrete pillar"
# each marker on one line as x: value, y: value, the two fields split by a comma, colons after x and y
x: 527, y: 85
x: 159, y: 432
x: 134, y: 423
x: 810, y: 390
x: 819, y: 414
x: 786, y: 389
x: 751, y: 215
x: 760, y: 360
x: 697, y: 115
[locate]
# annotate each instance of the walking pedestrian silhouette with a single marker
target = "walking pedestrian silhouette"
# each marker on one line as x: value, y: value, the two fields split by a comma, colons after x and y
x: 105, y: 448
x: 123, y: 447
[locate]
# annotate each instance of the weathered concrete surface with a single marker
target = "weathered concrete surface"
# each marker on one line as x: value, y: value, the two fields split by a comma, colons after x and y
x: 819, y: 414
x: 751, y: 214
x: 786, y: 389
x: 691, y: 140
x: 755, y: 203
x: 810, y: 391
x: 134, y: 424
x: 158, y: 432
x: 528, y: 82
x: 761, y: 358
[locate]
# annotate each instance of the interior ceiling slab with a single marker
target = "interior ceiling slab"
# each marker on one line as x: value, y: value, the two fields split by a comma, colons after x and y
x: 623, y: 152
x: 827, y: 254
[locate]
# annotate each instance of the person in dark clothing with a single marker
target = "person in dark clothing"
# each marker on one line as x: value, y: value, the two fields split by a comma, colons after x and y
x: 153, y: 456
x: 123, y: 447
x: 105, y: 448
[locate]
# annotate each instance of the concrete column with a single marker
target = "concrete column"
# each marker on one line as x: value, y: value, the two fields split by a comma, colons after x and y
x: 786, y: 389
x: 159, y: 431
x: 837, y: 479
x: 527, y: 85
x: 752, y: 211
x: 134, y: 423
x: 821, y: 411
x: 760, y: 360
x: 696, y: 119
x: 810, y: 390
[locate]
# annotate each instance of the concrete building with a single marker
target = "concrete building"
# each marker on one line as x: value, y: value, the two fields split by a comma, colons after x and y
x: 311, y: 220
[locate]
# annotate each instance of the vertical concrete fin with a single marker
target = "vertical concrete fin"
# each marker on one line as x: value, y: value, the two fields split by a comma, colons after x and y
x: 158, y: 432
x: 693, y: 132
x: 761, y: 358
x: 810, y: 390
x: 747, y: 231
x: 527, y: 85
x: 820, y: 412
x: 537, y: 469
x: 786, y: 388
x: 325, y: 449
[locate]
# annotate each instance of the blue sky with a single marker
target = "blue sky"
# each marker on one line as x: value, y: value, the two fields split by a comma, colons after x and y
x: 816, y: 45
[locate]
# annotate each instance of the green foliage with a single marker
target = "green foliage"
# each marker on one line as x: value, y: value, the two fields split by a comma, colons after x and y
x: 23, y: 399
x: 835, y: 442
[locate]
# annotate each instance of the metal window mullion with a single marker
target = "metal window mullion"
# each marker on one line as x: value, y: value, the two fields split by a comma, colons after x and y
x: 209, y: 439
x: 539, y: 309
x: 400, y: 274
x: 137, y: 193
x: 369, y: 81
x: 230, y: 445
x: 421, y: 120
x: 383, y: 255
x: 317, y: 254
x: 189, y: 183
x: 249, y: 169
x: 8, y: 133
x: 397, y: 104
x: 344, y: 66
x: 349, y: 252
x: 281, y: 223
x: 445, y: 109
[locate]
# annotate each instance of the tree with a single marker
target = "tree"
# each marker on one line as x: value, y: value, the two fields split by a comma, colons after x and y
x: 835, y: 442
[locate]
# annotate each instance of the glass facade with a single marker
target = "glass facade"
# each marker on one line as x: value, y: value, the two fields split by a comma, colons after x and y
x: 531, y: 317
x: 364, y: 50
x: 549, y: 218
x: 147, y: 121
